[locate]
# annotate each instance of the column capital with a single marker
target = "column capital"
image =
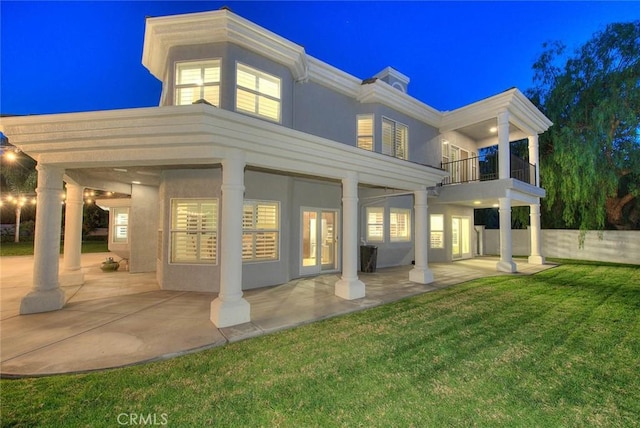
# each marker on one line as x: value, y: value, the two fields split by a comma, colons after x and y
x: 503, y: 117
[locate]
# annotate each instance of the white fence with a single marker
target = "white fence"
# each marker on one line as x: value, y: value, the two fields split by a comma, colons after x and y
x: 618, y: 246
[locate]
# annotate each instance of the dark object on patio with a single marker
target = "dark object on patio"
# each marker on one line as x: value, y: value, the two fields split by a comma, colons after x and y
x: 368, y: 258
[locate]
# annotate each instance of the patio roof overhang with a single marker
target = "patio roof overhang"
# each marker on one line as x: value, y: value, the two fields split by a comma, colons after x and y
x: 196, y: 136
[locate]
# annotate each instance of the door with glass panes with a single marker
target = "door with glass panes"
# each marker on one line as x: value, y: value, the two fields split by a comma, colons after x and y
x: 460, y: 237
x: 318, y: 240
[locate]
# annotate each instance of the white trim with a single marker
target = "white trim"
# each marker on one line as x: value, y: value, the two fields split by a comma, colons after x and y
x: 146, y: 136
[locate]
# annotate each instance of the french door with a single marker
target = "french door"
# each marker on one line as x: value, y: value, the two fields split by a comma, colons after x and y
x: 318, y: 240
x: 460, y: 237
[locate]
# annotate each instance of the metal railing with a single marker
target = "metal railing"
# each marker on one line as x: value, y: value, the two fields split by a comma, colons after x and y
x: 485, y: 168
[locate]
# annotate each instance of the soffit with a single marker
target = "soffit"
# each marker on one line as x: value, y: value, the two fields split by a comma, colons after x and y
x: 476, y: 119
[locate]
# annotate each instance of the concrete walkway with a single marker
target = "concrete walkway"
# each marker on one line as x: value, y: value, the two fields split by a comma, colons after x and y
x: 117, y: 319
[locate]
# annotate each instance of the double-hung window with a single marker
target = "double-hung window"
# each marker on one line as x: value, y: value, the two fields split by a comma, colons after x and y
x: 197, y: 81
x: 395, y: 138
x: 194, y: 231
x: 261, y: 230
x: 365, y: 131
x: 375, y: 224
x: 257, y: 93
x: 120, y: 232
x: 399, y: 224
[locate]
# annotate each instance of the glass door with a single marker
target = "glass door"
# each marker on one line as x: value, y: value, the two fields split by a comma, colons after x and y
x: 460, y: 237
x: 318, y: 241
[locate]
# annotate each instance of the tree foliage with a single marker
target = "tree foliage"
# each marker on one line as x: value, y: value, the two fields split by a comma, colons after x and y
x: 590, y: 157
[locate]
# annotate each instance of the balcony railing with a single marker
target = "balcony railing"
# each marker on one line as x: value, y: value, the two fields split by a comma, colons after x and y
x: 486, y: 169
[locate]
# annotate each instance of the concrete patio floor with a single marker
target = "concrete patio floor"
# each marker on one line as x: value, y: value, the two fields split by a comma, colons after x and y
x: 117, y: 319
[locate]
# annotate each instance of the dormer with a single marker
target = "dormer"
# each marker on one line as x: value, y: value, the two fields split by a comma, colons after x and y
x: 394, y: 78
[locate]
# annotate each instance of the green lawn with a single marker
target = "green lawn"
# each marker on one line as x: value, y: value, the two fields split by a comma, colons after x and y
x: 561, y: 348
x: 26, y: 248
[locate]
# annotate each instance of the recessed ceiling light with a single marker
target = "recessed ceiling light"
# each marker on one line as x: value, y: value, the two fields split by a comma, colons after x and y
x: 119, y: 169
x: 136, y: 182
x: 477, y: 202
x: 495, y: 205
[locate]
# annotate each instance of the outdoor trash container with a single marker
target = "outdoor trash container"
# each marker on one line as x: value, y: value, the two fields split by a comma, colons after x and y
x: 368, y: 258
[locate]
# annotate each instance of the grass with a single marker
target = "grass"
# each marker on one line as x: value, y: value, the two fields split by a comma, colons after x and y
x: 26, y: 248
x: 561, y: 348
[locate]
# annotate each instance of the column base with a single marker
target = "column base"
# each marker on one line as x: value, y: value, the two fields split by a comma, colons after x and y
x: 350, y: 289
x: 229, y: 313
x: 504, y: 266
x: 71, y: 277
x: 42, y: 301
x: 421, y: 276
x: 536, y: 260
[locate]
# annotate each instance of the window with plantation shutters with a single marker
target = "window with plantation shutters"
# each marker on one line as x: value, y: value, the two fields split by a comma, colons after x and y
x: 399, y: 224
x: 197, y: 81
x: 261, y: 231
x: 395, y: 138
x: 375, y: 224
x: 194, y: 231
x: 120, y: 233
x: 365, y: 131
x: 257, y: 93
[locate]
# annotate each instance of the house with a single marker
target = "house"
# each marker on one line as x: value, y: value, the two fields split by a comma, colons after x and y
x: 263, y: 164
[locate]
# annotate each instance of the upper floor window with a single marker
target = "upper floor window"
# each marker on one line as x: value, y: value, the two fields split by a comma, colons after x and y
x: 194, y: 230
x: 198, y: 81
x: 257, y: 93
x: 261, y: 230
x: 395, y: 138
x: 365, y: 131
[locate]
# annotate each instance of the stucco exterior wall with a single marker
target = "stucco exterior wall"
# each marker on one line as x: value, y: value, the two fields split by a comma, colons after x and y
x: 389, y: 253
x: 143, y: 217
x: 614, y: 246
x: 311, y: 194
x: 270, y: 187
x: 444, y: 255
x: 194, y: 183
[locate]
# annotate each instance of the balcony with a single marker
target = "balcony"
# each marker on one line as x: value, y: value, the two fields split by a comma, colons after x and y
x: 485, y: 168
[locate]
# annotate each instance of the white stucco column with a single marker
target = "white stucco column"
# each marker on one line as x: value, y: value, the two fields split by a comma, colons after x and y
x: 421, y: 272
x: 504, y: 151
x: 349, y: 286
x: 506, y: 263
x: 534, y: 156
x: 230, y: 308
x: 71, y: 263
x: 536, y: 257
x: 46, y: 294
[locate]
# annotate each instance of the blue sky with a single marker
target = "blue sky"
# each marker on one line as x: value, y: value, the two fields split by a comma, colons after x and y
x: 86, y: 55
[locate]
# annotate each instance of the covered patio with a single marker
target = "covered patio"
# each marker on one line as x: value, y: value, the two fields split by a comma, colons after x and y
x: 118, y: 319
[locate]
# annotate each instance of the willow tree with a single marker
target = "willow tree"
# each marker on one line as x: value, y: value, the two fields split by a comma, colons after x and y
x: 590, y: 157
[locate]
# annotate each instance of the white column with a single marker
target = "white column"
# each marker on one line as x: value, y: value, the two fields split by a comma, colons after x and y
x: 536, y: 257
x: 534, y: 156
x: 506, y: 263
x: 421, y: 272
x: 46, y: 294
x: 71, y: 263
x: 504, y: 151
x: 349, y: 286
x: 230, y: 308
